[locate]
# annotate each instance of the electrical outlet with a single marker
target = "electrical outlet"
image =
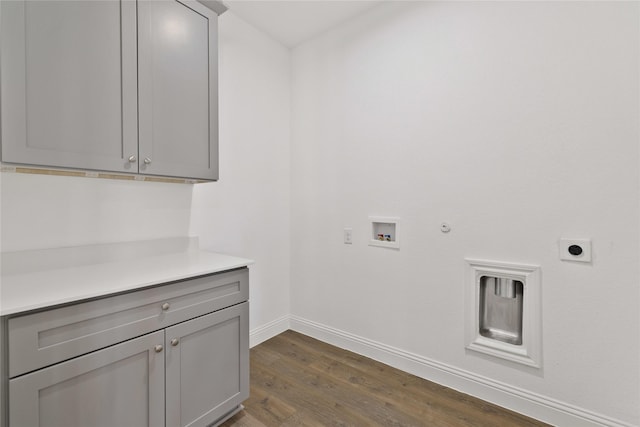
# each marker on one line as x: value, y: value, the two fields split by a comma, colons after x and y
x: 575, y: 250
x: 347, y: 236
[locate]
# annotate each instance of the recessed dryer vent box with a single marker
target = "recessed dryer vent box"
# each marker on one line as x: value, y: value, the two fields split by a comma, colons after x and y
x: 503, y: 311
x: 385, y: 232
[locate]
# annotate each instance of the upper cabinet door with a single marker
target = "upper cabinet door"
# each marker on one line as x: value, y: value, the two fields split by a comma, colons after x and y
x: 178, y: 95
x: 68, y: 81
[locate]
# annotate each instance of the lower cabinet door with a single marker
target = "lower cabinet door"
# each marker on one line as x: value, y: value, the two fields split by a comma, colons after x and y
x: 207, y: 367
x: 121, y: 385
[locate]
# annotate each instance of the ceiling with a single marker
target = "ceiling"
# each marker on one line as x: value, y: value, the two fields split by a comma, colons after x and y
x: 292, y: 22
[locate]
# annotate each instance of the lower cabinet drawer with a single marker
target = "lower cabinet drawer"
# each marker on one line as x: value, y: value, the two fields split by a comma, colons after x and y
x: 44, y: 338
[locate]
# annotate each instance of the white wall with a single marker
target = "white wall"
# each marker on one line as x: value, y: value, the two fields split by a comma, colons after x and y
x: 246, y: 213
x: 39, y: 211
x: 517, y: 122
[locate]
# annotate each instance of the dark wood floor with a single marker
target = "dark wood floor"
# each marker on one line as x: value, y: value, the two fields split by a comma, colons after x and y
x: 299, y: 381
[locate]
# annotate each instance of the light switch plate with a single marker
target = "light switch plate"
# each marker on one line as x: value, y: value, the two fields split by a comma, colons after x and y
x: 348, y: 236
x: 566, y: 255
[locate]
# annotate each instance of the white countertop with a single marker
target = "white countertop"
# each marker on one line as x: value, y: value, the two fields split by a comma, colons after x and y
x: 23, y: 290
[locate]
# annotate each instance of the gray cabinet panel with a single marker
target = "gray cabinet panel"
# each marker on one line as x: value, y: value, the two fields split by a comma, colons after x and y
x: 51, y: 336
x: 69, y: 81
x: 175, y: 354
x: 122, y: 385
x: 207, y: 364
x: 178, y: 98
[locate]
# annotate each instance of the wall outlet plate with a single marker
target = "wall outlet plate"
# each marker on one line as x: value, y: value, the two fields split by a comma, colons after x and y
x: 578, y: 250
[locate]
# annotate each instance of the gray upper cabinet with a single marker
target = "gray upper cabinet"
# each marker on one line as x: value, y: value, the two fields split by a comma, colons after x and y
x: 68, y: 71
x: 119, y: 86
x: 177, y: 59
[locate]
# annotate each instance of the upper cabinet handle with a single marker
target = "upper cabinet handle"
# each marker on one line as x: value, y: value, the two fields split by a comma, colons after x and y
x: 133, y: 159
x: 147, y: 161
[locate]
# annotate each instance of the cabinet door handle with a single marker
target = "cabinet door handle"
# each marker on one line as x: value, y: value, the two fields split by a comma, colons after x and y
x: 165, y: 306
x: 175, y: 341
x: 133, y: 159
x: 158, y: 348
x: 147, y: 161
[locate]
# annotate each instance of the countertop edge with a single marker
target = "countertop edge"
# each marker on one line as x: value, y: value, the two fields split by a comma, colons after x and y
x: 22, y: 293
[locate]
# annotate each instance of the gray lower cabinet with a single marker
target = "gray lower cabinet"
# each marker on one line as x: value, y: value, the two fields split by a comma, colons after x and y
x: 122, y: 385
x: 206, y: 367
x: 173, y: 355
x: 121, y: 86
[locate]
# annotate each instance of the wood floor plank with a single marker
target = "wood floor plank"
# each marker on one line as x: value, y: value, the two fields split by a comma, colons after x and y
x: 300, y: 392
x: 243, y: 419
x: 412, y: 394
x: 299, y: 381
x: 464, y: 408
x: 272, y: 409
x: 378, y: 395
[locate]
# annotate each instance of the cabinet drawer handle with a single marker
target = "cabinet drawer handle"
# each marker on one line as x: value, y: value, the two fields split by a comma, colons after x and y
x: 175, y: 341
x: 165, y: 306
x: 158, y: 348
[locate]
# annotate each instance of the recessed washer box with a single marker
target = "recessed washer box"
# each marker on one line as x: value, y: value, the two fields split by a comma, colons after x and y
x: 385, y: 232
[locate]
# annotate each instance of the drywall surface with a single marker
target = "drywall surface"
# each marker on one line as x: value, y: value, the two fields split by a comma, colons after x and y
x: 515, y: 122
x: 247, y: 212
x: 43, y: 211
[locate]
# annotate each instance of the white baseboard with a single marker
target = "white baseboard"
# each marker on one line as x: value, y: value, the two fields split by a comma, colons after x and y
x: 522, y: 401
x: 269, y: 330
